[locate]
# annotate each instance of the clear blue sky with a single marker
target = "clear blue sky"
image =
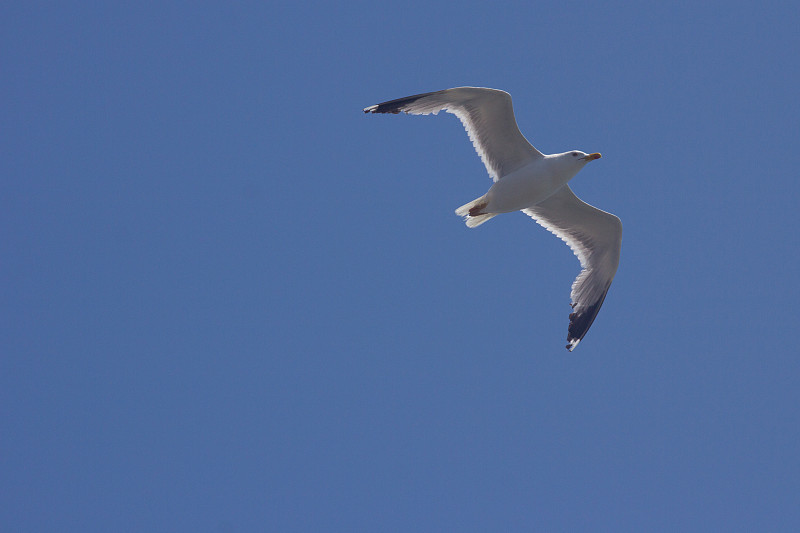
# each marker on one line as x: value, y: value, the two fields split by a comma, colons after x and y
x: 233, y: 302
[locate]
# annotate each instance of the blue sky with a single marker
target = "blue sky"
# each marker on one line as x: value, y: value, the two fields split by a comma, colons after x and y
x: 234, y: 302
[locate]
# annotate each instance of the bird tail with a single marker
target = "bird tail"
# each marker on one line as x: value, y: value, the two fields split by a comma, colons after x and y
x: 473, y: 212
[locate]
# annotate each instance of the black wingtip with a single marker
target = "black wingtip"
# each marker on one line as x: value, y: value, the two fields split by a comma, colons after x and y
x: 383, y: 108
x: 396, y: 106
x: 580, y: 322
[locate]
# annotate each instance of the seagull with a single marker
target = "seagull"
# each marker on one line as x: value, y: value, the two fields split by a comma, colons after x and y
x: 529, y: 181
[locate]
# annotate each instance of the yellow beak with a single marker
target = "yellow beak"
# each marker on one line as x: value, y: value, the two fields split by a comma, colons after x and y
x: 592, y: 157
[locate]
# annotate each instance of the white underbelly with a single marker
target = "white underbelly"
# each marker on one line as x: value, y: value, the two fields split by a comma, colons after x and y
x: 515, y: 192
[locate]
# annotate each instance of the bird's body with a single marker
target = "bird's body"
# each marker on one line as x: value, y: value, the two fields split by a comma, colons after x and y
x: 529, y: 181
x: 530, y: 185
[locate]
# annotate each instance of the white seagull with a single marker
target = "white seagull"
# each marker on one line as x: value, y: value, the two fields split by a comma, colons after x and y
x: 536, y: 184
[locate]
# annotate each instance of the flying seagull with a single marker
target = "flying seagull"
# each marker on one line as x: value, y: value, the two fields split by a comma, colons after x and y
x: 536, y: 184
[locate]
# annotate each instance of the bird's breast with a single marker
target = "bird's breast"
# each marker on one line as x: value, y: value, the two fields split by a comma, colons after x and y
x: 522, y: 188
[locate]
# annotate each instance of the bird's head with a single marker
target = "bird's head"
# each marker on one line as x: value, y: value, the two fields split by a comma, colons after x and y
x: 570, y: 163
x: 581, y: 157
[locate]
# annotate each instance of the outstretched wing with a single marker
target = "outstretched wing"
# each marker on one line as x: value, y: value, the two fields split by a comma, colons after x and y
x: 487, y: 115
x: 596, y: 238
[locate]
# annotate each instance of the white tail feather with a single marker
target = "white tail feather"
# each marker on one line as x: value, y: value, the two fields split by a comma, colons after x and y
x: 474, y: 220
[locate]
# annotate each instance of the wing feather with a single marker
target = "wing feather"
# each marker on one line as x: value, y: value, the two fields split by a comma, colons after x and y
x: 596, y: 239
x: 488, y: 117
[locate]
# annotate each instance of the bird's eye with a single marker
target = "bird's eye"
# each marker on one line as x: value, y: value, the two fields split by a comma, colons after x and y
x: 574, y: 154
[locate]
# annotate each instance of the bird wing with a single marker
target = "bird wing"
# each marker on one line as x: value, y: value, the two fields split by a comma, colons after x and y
x: 596, y: 238
x: 488, y: 117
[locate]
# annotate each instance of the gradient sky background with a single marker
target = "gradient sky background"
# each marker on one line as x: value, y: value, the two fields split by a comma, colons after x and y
x: 233, y: 302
